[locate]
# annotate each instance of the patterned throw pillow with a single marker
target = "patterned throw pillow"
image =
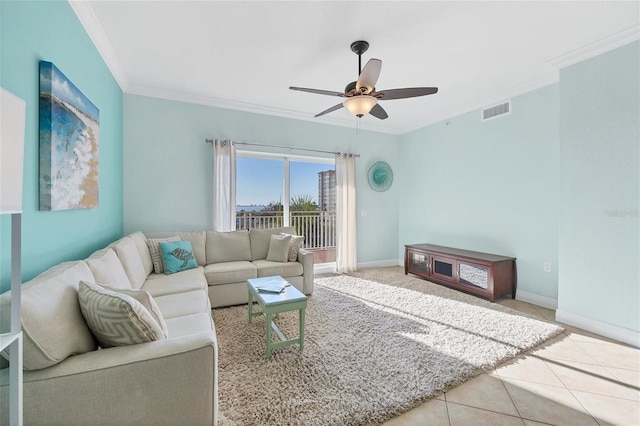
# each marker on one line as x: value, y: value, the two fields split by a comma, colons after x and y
x: 156, y: 254
x: 278, y: 248
x: 295, y: 244
x: 147, y: 301
x: 177, y: 256
x: 117, y: 319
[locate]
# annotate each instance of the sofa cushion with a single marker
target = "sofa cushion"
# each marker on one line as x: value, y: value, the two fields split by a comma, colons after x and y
x: 260, y: 239
x: 228, y: 246
x: 156, y: 253
x: 181, y: 304
x: 229, y: 272
x: 107, y: 269
x: 129, y: 256
x: 143, y: 251
x: 117, y: 319
x: 267, y: 268
x: 177, y: 256
x: 161, y: 284
x: 52, y: 323
x: 278, y: 248
x: 297, y: 241
x: 190, y: 324
x: 196, y: 238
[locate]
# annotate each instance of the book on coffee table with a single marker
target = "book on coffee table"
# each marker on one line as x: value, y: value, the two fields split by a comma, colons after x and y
x: 272, y: 287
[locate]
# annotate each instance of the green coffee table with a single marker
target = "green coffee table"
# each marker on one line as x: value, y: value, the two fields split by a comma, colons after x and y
x: 274, y: 303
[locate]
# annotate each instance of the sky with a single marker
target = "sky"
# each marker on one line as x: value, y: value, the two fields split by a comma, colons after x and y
x: 259, y: 180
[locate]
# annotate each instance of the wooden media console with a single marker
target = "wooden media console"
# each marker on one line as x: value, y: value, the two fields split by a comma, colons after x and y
x: 485, y: 275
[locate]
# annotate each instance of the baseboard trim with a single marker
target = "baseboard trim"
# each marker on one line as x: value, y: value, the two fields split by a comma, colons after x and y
x: 324, y: 268
x: 536, y: 299
x: 621, y: 334
x: 330, y: 268
x: 378, y: 263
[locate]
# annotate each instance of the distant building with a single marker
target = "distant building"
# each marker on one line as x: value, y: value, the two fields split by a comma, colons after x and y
x: 327, y: 190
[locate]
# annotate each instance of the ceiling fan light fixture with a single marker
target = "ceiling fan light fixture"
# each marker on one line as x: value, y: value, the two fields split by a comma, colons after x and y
x: 360, y: 105
x: 360, y: 96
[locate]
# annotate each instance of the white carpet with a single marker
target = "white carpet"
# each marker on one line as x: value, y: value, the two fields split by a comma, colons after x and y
x: 377, y: 344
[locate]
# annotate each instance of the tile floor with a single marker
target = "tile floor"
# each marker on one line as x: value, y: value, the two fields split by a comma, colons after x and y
x: 577, y: 378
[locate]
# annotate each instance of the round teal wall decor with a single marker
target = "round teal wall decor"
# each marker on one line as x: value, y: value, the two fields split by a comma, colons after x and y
x: 380, y: 176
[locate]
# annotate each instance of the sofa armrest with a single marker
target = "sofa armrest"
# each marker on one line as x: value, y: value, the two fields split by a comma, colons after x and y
x: 306, y: 258
x: 170, y: 381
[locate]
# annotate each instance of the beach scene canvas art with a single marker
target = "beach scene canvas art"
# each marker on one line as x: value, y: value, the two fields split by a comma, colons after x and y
x: 69, y: 130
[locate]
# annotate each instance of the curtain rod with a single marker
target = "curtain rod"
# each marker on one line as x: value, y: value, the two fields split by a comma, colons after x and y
x: 286, y: 147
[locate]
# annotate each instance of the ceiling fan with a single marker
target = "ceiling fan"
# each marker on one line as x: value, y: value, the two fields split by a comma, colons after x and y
x: 361, y: 95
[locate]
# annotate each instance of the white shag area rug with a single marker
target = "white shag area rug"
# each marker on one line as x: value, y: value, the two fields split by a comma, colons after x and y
x: 377, y: 343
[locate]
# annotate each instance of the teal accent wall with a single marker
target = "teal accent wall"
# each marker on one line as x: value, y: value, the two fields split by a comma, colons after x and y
x: 168, y: 168
x: 49, y: 30
x: 599, y: 233
x: 488, y: 186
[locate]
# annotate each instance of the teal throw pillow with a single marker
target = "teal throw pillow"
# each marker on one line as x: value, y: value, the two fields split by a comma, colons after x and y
x: 177, y: 256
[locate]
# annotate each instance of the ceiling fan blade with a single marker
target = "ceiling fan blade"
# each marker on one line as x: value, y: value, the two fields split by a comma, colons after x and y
x: 327, y: 111
x: 409, y: 92
x: 378, y: 112
x: 369, y: 76
x: 317, y: 91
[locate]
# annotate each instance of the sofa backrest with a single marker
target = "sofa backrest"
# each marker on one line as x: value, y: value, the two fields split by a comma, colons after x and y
x: 108, y: 270
x: 196, y: 238
x: 228, y: 246
x: 143, y: 250
x: 260, y: 239
x: 127, y: 251
x: 52, y: 323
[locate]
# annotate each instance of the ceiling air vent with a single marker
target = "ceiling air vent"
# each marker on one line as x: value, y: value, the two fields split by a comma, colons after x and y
x: 496, y: 110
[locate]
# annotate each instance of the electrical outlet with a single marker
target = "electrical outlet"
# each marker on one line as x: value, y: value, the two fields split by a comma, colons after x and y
x: 546, y: 266
x: 363, y: 213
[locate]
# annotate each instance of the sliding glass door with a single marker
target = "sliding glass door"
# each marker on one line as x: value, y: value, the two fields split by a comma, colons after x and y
x: 259, y: 192
x: 276, y: 190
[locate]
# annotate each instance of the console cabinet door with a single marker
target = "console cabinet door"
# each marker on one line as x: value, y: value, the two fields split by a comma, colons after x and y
x: 474, y: 275
x: 444, y: 268
x: 418, y: 263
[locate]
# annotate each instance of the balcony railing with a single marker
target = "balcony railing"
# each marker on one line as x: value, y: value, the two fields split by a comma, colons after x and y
x: 318, y: 228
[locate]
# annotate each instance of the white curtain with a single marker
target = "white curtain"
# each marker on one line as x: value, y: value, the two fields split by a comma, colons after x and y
x: 224, y: 185
x: 346, y: 213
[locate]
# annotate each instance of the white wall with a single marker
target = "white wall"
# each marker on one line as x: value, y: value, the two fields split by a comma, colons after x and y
x: 488, y: 186
x: 168, y: 166
x: 600, y: 193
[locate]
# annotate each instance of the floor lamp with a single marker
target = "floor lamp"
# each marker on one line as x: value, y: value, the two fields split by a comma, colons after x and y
x: 12, y: 124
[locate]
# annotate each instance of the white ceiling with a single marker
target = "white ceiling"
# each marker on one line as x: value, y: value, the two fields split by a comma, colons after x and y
x: 245, y: 55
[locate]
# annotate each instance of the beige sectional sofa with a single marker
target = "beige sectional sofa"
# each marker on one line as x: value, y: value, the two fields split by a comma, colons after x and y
x: 229, y: 259
x: 69, y: 380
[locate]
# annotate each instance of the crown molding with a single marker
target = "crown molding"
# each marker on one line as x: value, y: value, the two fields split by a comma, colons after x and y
x: 599, y: 47
x: 172, y: 95
x: 498, y: 97
x: 88, y: 19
